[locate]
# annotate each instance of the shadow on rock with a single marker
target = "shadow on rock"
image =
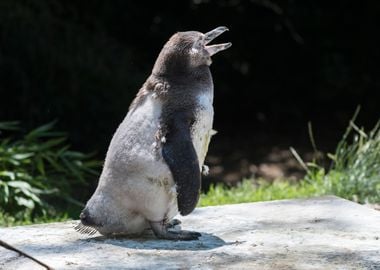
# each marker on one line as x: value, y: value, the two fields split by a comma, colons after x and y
x: 149, y: 242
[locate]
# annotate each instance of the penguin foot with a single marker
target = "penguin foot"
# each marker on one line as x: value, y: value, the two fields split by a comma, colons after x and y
x: 160, y: 230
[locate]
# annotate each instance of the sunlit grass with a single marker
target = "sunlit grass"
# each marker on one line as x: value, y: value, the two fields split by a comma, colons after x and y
x: 7, y: 220
x: 247, y: 191
x: 354, y: 174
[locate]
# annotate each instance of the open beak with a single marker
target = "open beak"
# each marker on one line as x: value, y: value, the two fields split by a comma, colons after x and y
x: 209, y: 36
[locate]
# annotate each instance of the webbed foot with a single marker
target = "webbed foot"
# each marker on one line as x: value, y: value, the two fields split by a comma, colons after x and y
x: 160, y: 230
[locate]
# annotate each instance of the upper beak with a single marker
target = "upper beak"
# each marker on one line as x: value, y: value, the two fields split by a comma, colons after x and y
x: 209, y: 36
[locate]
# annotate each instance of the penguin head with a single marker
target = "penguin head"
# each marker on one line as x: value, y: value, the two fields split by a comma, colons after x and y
x: 188, y: 50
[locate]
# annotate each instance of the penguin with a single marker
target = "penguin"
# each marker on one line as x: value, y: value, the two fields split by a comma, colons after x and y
x: 154, y: 162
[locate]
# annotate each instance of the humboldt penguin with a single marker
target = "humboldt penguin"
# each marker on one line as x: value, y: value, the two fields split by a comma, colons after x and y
x: 154, y: 162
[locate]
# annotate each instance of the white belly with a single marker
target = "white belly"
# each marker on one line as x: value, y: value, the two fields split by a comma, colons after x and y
x: 202, y: 128
x: 134, y: 157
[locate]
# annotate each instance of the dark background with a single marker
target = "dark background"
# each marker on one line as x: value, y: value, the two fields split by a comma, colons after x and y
x: 82, y: 62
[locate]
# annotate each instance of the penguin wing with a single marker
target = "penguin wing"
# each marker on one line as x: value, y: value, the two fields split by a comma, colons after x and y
x: 179, y: 154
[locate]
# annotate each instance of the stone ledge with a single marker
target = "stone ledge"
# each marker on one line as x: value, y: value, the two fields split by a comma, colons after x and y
x: 12, y: 260
x: 317, y: 233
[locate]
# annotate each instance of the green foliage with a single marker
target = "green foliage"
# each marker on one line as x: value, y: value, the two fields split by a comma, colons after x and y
x: 248, y: 191
x: 40, y: 174
x: 354, y: 174
x: 355, y: 170
x: 26, y: 219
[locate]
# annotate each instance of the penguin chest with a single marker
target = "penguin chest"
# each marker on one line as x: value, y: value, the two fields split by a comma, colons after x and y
x: 202, y: 127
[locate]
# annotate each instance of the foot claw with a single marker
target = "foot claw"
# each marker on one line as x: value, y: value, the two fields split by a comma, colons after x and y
x: 174, y: 222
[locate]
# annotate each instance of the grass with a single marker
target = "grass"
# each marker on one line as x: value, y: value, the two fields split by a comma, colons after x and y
x: 7, y: 220
x: 354, y: 174
x: 249, y: 191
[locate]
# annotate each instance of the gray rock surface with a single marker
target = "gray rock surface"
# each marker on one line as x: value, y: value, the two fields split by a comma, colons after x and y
x: 11, y: 260
x: 319, y: 233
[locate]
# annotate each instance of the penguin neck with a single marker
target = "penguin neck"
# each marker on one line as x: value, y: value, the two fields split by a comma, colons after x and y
x: 176, y: 69
x: 199, y: 74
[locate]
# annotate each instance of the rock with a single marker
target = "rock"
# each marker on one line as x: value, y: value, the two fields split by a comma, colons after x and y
x: 10, y: 260
x: 318, y: 233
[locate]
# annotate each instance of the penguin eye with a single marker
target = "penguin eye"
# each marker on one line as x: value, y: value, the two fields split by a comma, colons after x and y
x: 197, y: 46
x: 194, y: 50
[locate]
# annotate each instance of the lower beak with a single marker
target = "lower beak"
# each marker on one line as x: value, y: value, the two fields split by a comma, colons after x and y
x: 209, y: 36
x: 213, y: 49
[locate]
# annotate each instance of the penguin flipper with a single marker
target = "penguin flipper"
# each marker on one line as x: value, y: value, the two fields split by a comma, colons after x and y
x: 179, y: 153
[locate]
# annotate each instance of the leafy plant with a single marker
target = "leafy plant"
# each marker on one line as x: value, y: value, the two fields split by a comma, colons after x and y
x: 354, y: 172
x: 40, y: 173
